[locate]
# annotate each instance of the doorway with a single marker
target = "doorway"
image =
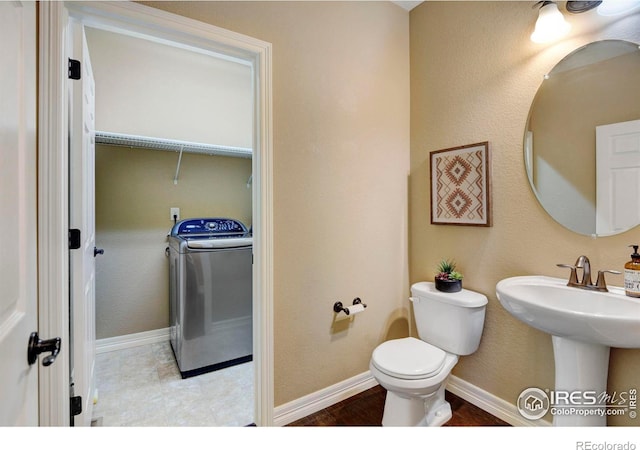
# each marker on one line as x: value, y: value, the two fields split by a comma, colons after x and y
x: 173, y: 142
x: 139, y: 20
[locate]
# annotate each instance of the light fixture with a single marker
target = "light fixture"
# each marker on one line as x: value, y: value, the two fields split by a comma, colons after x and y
x: 581, y: 6
x: 550, y: 25
x: 615, y: 7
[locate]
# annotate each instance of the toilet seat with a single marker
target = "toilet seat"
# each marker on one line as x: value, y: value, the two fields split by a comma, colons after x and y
x: 408, y: 358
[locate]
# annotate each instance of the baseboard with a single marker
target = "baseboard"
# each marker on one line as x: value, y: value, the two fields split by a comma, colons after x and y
x: 132, y: 340
x: 309, y: 404
x: 490, y: 403
x: 312, y: 403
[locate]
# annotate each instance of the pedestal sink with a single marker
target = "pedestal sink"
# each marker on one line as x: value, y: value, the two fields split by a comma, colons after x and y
x: 583, y: 324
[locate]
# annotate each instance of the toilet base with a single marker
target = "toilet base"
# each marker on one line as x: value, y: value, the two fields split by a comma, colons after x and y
x: 431, y: 411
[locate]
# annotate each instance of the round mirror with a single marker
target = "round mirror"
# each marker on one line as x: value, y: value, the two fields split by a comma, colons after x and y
x: 582, y: 140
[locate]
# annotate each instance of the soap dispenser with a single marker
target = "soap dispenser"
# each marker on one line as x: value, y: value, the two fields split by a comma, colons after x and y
x: 632, y: 274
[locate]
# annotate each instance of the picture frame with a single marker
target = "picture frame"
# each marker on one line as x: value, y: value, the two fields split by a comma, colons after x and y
x: 460, y: 179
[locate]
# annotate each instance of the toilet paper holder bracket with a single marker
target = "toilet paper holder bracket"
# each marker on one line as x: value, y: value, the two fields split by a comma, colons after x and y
x: 338, y: 306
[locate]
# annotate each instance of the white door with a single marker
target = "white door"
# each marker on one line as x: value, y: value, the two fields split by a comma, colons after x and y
x: 18, y: 261
x: 82, y: 217
x: 617, y: 177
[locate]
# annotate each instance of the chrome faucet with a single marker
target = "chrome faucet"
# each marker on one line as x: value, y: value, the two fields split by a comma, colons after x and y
x: 585, y: 282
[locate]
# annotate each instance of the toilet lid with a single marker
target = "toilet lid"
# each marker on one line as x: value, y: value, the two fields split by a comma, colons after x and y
x: 408, y: 358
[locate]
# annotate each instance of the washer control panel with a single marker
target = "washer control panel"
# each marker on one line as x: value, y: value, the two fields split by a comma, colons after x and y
x: 209, y: 226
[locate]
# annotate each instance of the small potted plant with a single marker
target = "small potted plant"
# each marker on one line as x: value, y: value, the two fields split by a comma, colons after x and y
x: 447, y: 278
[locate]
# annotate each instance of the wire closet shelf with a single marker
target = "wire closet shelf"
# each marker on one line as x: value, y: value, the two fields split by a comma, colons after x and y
x: 134, y: 141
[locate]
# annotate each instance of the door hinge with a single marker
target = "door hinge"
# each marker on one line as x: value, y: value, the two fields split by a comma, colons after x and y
x: 75, y: 405
x: 74, y: 69
x: 74, y: 239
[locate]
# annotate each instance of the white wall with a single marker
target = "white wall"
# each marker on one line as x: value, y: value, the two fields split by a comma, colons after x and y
x: 151, y: 89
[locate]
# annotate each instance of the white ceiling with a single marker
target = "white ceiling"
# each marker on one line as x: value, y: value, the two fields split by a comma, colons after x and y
x: 408, y: 5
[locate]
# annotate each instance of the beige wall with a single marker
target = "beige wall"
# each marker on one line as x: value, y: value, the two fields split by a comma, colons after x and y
x: 340, y: 145
x: 134, y: 194
x: 474, y: 74
x: 341, y: 162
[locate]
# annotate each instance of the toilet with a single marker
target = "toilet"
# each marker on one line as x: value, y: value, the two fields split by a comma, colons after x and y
x: 414, y: 371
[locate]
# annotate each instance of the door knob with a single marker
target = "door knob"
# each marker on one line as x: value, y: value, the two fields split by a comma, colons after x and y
x: 37, y: 346
x: 97, y: 251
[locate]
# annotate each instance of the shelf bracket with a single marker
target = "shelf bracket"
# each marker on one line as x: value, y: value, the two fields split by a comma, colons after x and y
x: 175, y: 178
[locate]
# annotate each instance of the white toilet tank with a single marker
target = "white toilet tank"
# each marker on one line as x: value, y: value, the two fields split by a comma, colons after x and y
x: 450, y: 321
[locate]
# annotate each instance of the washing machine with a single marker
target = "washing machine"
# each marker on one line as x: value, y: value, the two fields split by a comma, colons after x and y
x: 210, y: 294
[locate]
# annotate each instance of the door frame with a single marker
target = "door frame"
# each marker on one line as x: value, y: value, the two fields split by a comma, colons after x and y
x: 53, y: 171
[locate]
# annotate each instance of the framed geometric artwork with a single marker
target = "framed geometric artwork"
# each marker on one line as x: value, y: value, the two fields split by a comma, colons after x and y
x: 461, y: 186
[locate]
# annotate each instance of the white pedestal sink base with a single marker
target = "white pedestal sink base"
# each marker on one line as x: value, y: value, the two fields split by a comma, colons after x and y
x: 580, y: 366
x: 595, y: 320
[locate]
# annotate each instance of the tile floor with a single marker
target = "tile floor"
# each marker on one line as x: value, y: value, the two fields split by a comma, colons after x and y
x: 142, y: 386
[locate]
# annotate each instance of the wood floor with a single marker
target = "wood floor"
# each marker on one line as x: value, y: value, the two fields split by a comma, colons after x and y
x: 365, y: 409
